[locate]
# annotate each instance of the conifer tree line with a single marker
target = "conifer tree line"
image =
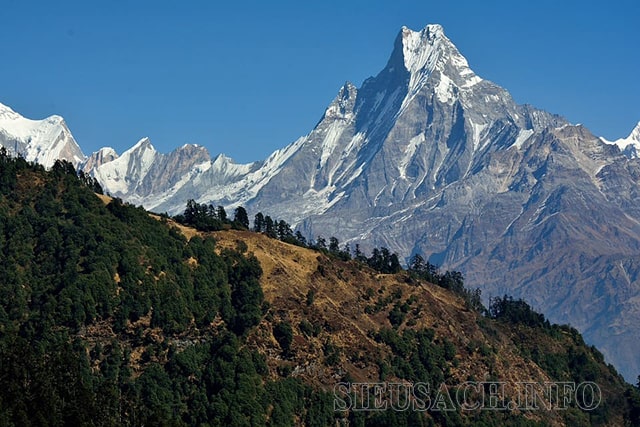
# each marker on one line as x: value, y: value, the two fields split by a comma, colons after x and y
x: 209, y: 218
x: 205, y: 217
x: 213, y: 218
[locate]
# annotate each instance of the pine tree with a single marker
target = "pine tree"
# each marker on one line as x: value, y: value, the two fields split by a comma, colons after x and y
x: 321, y: 243
x: 375, y: 260
x: 394, y: 264
x: 284, y: 230
x: 258, y: 223
x: 240, y: 217
x: 334, y: 245
x: 302, y: 241
x: 190, y: 211
x: 212, y: 212
x: 269, y: 227
x: 347, y: 250
x: 222, y: 214
x: 416, y: 264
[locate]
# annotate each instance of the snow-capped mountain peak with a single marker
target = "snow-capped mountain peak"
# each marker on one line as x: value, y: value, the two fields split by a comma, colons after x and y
x: 429, y: 50
x: 43, y: 141
x: 420, y: 48
x: 142, y: 145
x: 221, y: 161
x: 123, y: 174
x: 630, y: 146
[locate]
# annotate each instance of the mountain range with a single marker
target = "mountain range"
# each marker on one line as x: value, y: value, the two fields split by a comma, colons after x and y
x: 426, y: 157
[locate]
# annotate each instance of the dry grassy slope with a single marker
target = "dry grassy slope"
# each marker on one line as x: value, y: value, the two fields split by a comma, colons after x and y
x: 341, y: 289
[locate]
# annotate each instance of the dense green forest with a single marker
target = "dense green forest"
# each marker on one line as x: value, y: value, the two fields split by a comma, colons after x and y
x: 111, y: 317
x: 72, y: 264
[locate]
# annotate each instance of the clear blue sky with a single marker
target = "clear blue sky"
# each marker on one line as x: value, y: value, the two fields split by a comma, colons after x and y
x: 246, y: 78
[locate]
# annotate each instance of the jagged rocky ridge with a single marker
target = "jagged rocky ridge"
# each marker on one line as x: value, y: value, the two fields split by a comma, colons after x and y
x: 428, y: 157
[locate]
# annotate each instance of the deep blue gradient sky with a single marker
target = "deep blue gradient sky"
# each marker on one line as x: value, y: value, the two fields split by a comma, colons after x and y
x: 246, y: 78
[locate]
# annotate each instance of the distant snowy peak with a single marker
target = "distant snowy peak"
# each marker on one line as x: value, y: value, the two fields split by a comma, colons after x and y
x: 98, y: 158
x: 121, y: 175
x: 192, y: 150
x: 142, y: 145
x: 630, y: 146
x: 226, y: 170
x: 42, y: 141
x: 139, y: 159
x: 142, y: 175
x: 23, y: 129
x: 221, y: 160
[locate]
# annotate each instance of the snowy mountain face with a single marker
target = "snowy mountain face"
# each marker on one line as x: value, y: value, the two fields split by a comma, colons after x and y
x: 42, y: 141
x: 427, y: 157
x: 630, y: 146
x: 422, y: 123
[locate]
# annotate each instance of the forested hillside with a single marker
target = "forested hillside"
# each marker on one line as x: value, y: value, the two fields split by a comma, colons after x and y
x: 109, y: 316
